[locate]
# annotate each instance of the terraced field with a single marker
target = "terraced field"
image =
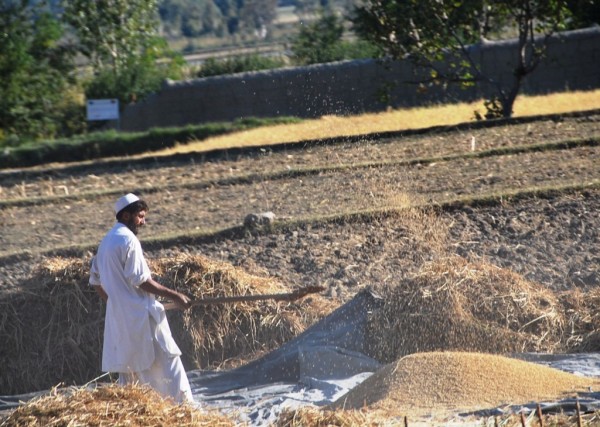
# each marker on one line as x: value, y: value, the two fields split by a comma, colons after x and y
x: 522, y: 195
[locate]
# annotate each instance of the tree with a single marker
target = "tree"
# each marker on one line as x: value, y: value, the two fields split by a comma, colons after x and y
x: 322, y: 41
x: 257, y: 15
x: 35, y: 68
x: 191, y: 18
x: 316, y: 41
x: 585, y: 13
x: 120, y: 38
x: 111, y: 31
x: 439, y: 36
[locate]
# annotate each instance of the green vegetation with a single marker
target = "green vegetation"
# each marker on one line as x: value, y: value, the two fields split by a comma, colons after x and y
x: 221, y: 18
x: 437, y: 37
x: 321, y: 41
x: 36, y: 71
x: 43, y: 91
x: 238, y: 64
x: 111, y: 143
x: 120, y: 38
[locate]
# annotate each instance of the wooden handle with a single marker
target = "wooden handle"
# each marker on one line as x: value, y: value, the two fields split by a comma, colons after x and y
x: 289, y: 296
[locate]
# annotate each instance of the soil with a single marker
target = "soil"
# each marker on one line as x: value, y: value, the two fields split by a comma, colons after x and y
x: 551, y: 240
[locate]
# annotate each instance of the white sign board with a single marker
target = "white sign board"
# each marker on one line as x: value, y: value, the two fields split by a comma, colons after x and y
x: 103, y: 109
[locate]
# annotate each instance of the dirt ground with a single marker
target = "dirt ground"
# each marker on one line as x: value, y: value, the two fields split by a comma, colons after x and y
x: 553, y: 240
x: 317, y: 191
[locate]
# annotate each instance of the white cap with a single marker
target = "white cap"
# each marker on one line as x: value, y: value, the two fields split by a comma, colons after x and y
x: 125, y: 201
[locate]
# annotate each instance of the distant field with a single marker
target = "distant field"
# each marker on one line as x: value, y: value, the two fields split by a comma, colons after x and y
x: 413, y: 118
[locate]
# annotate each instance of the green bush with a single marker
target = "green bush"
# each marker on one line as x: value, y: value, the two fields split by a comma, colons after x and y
x: 239, y: 64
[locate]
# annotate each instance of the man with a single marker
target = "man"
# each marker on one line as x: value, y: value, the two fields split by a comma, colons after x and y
x: 137, y: 339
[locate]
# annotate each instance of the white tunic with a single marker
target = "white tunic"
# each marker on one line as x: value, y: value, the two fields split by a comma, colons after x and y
x: 120, y: 267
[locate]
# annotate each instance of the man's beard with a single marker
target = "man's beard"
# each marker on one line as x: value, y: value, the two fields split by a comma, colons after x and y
x: 132, y: 226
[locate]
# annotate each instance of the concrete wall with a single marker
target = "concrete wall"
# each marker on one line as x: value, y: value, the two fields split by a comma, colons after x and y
x: 572, y: 63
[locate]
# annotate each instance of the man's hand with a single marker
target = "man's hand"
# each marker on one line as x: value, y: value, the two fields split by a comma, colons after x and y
x: 182, y: 301
x: 100, y: 291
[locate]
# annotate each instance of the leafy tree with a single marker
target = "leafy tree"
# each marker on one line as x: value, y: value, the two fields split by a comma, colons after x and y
x: 585, y: 13
x: 111, y: 31
x: 256, y: 15
x: 316, y: 41
x: 142, y: 75
x: 191, y: 18
x: 120, y: 37
x: 230, y: 10
x: 437, y: 36
x: 322, y: 41
x: 35, y: 68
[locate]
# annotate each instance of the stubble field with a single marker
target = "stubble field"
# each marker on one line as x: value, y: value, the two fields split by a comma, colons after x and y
x: 522, y: 196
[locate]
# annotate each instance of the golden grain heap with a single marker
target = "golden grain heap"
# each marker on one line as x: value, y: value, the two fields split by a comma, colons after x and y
x: 109, y: 405
x: 51, y: 329
x: 426, y: 383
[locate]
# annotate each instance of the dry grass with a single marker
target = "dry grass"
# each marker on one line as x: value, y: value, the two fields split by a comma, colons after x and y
x: 215, y: 333
x: 413, y: 118
x: 369, y: 417
x: 110, y: 405
x: 454, y: 304
x: 312, y: 417
x: 133, y: 405
x: 52, y: 329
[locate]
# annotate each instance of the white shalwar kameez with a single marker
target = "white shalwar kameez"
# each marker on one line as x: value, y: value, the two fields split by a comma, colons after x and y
x: 137, y: 339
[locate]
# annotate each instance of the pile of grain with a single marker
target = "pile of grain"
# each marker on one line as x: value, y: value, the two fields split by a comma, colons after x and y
x: 110, y: 405
x: 426, y: 383
x: 454, y: 304
x: 52, y: 331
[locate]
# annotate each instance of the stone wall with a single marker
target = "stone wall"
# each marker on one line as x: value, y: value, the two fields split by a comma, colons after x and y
x: 348, y: 87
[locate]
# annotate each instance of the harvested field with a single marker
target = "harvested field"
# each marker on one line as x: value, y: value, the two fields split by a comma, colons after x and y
x: 508, y: 237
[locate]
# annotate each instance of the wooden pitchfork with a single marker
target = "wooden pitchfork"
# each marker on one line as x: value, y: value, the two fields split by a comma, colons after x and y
x: 288, y: 296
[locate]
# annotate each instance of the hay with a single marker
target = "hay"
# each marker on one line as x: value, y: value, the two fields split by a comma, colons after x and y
x: 454, y: 304
x: 311, y: 417
x: 451, y: 381
x: 582, y: 319
x: 215, y: 333
x: 52, y: 330
x: 131, y: 405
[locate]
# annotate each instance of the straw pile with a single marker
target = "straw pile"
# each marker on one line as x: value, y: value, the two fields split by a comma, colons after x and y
x: 52, y: 331
x: 453, y: 304
x: 311, y: 417
x: 582, y: 319
x: 215, y: 333
x: 110, y: 405
x: 449, y: 381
